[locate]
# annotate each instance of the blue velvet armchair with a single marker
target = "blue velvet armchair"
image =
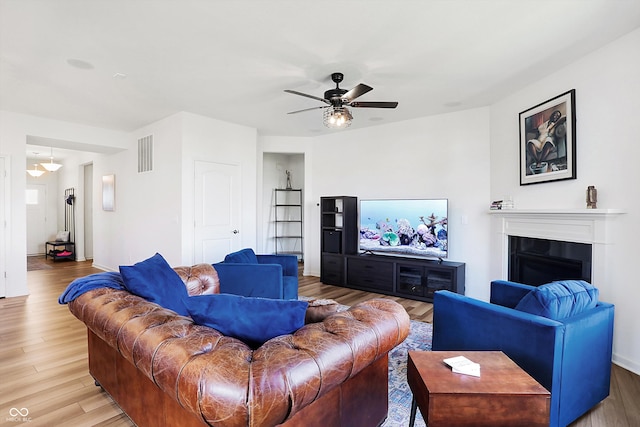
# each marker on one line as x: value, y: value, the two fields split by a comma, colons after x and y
x: 267, y: 276
x: 570, y: 357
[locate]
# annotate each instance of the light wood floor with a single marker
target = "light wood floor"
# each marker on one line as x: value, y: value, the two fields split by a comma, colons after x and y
x: 43, y: 358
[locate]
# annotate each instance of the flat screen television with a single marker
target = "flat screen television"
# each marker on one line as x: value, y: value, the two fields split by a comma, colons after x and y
x: 410, y: 227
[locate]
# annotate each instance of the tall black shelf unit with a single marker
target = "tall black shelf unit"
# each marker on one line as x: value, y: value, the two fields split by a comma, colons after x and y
x: 339, y: 235
x: 406, y: 277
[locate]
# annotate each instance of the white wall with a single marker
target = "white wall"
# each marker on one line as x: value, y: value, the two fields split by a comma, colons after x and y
x: 14, y: 129
x: 445, y: 156
x: 607, y: 109
x: 153, y: 210
x: 72, y: 175
x: 470, y: 157
x: 148, y: 205
x: 206, y: 139
x: 53, y: 221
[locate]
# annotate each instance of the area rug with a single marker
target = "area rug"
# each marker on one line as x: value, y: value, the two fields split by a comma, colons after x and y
x: 399, y: 392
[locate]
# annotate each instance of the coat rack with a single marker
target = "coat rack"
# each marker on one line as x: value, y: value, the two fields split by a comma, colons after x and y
x: 69, y: 213
x: 64, y: 247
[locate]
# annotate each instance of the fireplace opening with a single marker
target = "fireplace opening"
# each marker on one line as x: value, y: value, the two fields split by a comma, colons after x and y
x: 539, y: 261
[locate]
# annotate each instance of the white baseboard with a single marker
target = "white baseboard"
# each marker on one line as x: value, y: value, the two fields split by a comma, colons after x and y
x: 627, y: 364
x: 100, y: 267
x: 306, y: 272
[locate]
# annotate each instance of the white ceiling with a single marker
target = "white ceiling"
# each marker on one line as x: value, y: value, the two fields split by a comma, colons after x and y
x: 232, y: 60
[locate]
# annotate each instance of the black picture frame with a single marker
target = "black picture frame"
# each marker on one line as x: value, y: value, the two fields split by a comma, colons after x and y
x: 548, y: 140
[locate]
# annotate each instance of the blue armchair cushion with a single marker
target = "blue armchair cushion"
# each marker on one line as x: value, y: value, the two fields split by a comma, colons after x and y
x: 252, y: 320
x: 559, y: 300
x: 154, y: 280
x: 244, y: 256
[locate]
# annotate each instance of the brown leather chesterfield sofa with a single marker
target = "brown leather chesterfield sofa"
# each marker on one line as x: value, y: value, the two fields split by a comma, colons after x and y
x: 164, y: 370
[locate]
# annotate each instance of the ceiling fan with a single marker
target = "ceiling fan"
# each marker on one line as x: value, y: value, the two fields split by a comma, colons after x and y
x: 336, y: 114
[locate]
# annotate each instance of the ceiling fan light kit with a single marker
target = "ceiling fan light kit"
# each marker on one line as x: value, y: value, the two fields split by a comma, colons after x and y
x: 336, y: 115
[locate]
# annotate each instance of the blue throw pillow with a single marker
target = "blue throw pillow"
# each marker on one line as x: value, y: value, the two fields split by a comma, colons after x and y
x: 154, y: 280
x: 252, y: 320
x: 244, y: 256
x: 558, y: 300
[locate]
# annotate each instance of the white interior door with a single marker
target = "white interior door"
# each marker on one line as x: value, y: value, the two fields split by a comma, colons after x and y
x: 4, y: 204
x: 88, y: 211
x: 217, y: 211
x: 36, y: 199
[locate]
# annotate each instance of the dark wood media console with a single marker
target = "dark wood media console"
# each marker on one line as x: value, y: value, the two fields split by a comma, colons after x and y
x: 411, y: 278
x: 406, y: 277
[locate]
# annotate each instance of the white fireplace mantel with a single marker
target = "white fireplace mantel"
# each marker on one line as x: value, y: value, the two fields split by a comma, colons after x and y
x: 592, y: 226
x: 564, y: 213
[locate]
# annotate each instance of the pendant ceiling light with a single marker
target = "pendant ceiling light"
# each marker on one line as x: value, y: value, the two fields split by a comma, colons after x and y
x: 35, y: 172
x: 337, y: 117
x: 51, y: 167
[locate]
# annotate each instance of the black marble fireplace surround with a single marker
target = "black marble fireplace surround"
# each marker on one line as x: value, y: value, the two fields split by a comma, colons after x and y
x: 538, y: 261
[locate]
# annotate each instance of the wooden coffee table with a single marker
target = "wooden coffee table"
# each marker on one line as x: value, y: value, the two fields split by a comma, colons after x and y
x: 503, y: 395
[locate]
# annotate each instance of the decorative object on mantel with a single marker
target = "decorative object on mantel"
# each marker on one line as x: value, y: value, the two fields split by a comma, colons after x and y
x: 548, y: 140
x: 592, y: 197
x: 506, y: 203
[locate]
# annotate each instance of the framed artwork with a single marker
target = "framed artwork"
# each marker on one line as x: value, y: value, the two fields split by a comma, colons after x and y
x: 108, y: 192
x: 548, y: 140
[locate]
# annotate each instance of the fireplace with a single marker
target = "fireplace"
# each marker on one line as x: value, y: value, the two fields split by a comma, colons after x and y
x: 538, y: 261
x: 591, y: 227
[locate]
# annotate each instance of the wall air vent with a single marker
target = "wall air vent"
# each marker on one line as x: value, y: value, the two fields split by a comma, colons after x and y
x: 145, y: 154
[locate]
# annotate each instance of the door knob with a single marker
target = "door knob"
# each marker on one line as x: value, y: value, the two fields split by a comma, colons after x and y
x: 235, y: 231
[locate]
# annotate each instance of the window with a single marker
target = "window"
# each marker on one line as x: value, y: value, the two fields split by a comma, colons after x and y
x: 32, y: 197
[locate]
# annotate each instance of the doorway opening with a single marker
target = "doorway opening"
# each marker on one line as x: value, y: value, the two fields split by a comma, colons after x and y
x: 283, y: 212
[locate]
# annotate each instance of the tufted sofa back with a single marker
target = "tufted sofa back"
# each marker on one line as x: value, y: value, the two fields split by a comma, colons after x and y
x: 200, y: 279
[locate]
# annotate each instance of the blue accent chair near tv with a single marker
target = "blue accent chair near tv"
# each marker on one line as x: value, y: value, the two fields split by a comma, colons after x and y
x: 267, y: 276
x: 570, y: 357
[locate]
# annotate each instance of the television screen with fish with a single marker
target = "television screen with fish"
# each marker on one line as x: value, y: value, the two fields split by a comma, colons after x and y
x: 413, y: 227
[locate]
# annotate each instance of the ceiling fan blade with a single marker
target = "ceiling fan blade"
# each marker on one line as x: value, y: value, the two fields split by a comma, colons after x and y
x: 357, y: 91
x: 307, y: 109
x: 372, y: 104
x: 295, y: 92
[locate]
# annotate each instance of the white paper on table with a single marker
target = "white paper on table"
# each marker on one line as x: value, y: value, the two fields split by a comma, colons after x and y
x: 462, y: 365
